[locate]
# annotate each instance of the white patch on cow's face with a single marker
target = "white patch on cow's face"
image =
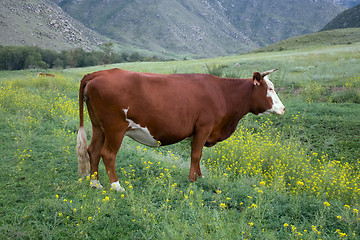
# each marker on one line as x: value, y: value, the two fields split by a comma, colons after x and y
x: 140, y: 134
x: 277, y: 107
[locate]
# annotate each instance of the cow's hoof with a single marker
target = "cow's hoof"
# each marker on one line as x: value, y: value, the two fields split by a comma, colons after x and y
x: 116, y: 186
x: 95, y: 184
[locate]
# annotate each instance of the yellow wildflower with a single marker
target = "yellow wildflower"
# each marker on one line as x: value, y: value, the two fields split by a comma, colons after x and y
x: 253, y: 206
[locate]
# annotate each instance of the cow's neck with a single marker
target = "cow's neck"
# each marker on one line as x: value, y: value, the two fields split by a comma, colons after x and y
x: 238, y: 93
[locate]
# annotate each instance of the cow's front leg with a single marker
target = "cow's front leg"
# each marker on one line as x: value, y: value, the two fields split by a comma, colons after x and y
x: 196, y: 152
x: 195, y: 168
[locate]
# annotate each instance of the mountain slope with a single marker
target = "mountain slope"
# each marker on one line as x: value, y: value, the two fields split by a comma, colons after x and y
x: 268, y: 21
x: 44, y: 24
x: 347, y: 19
x: 191, y: 27
x: 323, y: 38
x: 201, y: 27
x: 347, y: 3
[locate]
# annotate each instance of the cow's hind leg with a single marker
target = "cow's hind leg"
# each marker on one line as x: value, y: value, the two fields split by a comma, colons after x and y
x: 97, y: 143
x: 113, y: 140
x: 94, y: 150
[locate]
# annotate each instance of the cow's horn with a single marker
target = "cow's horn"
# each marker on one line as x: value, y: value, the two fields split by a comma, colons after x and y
x: 268, y: 72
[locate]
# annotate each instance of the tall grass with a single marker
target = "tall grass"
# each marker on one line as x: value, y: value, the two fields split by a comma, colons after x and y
x: 284, y: 164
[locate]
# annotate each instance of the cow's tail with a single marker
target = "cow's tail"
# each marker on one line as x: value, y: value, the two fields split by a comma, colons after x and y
x: 81, y: 146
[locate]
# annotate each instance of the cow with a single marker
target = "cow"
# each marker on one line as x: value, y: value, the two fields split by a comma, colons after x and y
x: 41, y: 74
x: 162, y: 109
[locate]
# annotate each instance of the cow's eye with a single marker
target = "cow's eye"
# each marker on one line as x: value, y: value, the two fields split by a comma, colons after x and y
x: 271, y: 89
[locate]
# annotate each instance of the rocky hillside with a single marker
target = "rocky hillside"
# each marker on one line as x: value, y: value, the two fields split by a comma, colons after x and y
x: 347, y: 3
x: 194, y: 28
x: 202, y: 27
x: 347, y: 19
x: 269, y: 21
x: 169, y: 26
x: 42, y: 23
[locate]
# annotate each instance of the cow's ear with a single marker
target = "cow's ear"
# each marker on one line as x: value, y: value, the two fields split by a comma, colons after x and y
x: 257, y: 78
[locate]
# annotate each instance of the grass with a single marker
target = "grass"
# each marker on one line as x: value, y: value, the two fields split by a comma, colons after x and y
x: 290, y: 177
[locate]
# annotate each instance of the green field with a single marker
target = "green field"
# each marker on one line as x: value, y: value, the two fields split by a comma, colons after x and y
x: 294, y: 176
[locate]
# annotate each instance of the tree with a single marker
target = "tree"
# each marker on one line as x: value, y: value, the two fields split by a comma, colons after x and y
x: 33, y: 58
x: 58, y: 63
x: 49, y: 56
x: 16, y: 58
x: 134, y: 57
x: 108, y: 52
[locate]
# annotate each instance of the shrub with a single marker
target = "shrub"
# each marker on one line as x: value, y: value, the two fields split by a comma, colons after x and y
x: 348, y: 96
x: 216, y: 69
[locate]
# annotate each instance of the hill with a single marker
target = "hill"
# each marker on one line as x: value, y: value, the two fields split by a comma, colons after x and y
x: 347, y: 19
x: 267, y: 21
x: 347, y: 3
x: 173, y: 27
x: 44, y: 24
x: 334, y: 37
x: 187, y: 27
x: 202, y: 28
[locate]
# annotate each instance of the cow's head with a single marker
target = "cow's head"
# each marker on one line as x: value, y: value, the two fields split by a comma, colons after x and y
x: 265, y: 100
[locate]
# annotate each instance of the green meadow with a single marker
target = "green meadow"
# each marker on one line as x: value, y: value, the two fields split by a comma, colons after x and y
x: 294, y: 176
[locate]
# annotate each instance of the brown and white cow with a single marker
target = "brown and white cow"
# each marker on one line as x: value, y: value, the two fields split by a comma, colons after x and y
x: 158, y: 109
x: 41, y: 74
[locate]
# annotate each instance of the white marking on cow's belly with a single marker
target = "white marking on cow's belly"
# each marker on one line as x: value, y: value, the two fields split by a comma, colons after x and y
x: 140, y: 134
